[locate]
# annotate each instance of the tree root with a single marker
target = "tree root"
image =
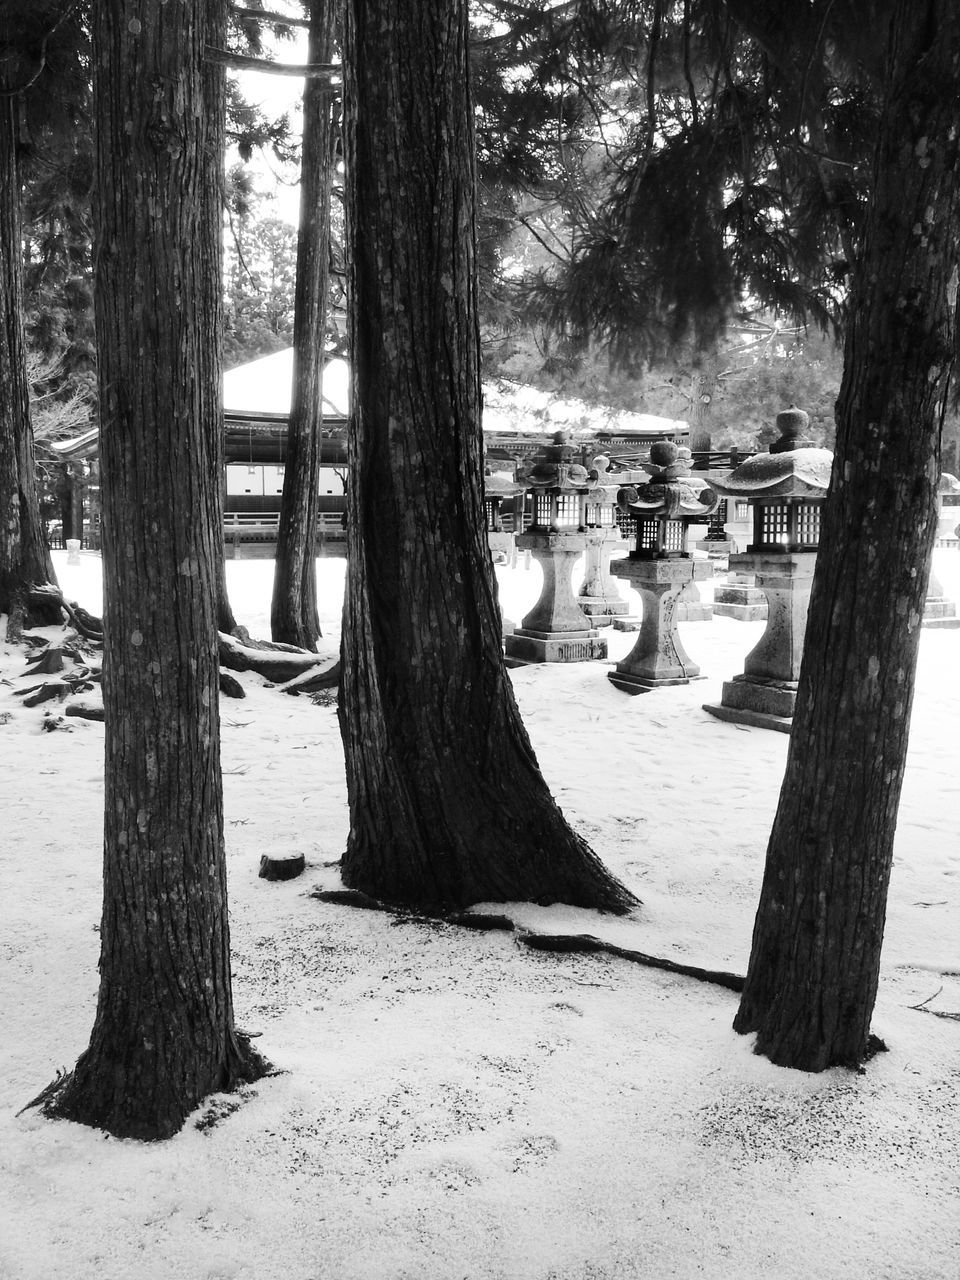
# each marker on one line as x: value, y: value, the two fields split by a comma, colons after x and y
x: 936, y: 1013
x: 580, y: 943
x: 89, y: 626
x: 278, y: 665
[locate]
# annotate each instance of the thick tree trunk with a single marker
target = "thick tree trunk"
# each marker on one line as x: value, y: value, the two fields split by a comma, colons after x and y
x: 24, y: 558
x: 293, y: 613
x: 164, y: 1035
x: 447, y: 805
x: 814, y: 966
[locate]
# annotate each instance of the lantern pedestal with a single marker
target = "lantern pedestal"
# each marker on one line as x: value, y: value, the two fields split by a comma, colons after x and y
x: 556, y: 629
x: 766, y: 693
x: 658, y: 658
x: 690, y: 607
x: 503, y: 547
x: 599, y: 598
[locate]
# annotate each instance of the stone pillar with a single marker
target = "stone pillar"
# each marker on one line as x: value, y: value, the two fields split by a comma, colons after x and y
x: 599, y: 598
x: 766, y: 693
x: 556, y: 629
x: 503, y: 547
x: 658, y: 658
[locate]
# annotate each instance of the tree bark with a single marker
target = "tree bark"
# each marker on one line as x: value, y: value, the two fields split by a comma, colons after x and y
x: 814, y: 966
x: 293, y: 613
x: 24, y: 557
x: 447, y: 804
x: 164, y: 1033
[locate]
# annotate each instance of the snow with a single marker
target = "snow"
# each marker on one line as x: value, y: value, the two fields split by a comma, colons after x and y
x: 265, y: 386
x: 797, y: 472
x: 448, y: 1103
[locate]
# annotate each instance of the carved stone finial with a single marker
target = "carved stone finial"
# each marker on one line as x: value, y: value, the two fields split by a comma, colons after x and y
x: 792, y: 424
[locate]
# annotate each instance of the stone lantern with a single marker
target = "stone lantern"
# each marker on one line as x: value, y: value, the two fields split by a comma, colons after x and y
x: 556, y: 629
x: 786, y: 489
x: 660, y: 567
x: 599, y: 598
x: 498, y: 487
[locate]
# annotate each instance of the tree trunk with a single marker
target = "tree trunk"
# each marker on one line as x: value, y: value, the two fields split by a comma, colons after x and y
x: 703, y: 397
x: 24, y: 558
x: 815, y: 960
x: 447, y: 804
x: 293, y: 613
x: 164, y: 1034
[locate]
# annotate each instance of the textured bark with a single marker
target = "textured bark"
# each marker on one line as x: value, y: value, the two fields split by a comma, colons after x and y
x: 164, y: 1035
x: 815, y: 960
x: 293, y: 612
x: 447, y: 805
x: 24, y: 558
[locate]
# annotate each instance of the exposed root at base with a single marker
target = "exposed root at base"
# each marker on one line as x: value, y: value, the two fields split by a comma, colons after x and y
x: 581, y: 943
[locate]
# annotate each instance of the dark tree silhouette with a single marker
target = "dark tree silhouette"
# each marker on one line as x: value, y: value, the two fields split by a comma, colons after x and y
x: 293, y: 613
x: 815, y: 961
x: 24, y: 559
x: 447, y: 805
x: 164, y: 1035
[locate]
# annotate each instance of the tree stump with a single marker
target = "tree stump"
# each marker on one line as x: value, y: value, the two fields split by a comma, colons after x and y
x: 281, y: 866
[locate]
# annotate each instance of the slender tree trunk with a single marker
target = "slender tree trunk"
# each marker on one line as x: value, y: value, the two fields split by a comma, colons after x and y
x: 164, y: 1034
x: 447, y: 804
x: 24, y: 558
x: 293, y: 614
x: 704, y: 394
x: 814, y: 965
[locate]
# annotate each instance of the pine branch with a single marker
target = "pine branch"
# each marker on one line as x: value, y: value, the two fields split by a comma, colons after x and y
x: 241, y: 62
x: 264, y: 15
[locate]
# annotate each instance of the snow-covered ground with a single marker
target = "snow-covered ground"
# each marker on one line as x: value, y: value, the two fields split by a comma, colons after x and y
x: 452, y: 1105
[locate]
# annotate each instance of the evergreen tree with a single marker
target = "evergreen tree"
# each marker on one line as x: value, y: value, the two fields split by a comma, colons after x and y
x: 815, y: 960
x: 447, y: 804
x: 293, y: 612
x: 29, y: 45
x: 164, y: 1035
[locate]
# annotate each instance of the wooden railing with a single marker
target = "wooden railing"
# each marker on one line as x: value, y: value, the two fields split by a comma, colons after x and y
x: 261, y: 526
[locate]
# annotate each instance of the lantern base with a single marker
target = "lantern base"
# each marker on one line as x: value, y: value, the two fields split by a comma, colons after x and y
x: 768, y: 704
x: 694, y: 611
x: 716, y: 548
x: 746, y: 604
x: 528, y: 648
x: 757, y: 719
x: 632, y: 622
x: 940, y: 613
x: 602, y: 612
x: 630, y: 683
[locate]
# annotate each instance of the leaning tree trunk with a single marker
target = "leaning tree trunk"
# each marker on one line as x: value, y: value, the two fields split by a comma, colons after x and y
x: 293, y: 613
x: 24, y: 558
x: 164, y: 1034
x: 447, y: 805
x: 815, y: 961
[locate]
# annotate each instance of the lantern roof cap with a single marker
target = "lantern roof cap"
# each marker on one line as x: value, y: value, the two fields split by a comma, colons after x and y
x: 500, y: 484
x: 796, y: 473
x: 682, y: 499
x: 948, y: 483
x: 555, y: 467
